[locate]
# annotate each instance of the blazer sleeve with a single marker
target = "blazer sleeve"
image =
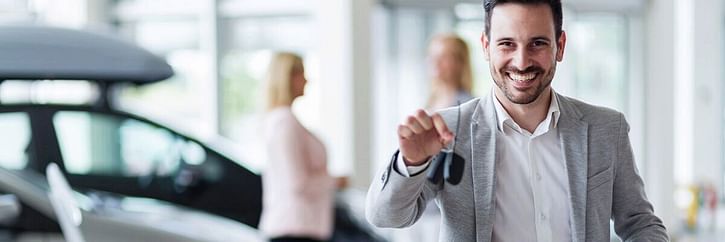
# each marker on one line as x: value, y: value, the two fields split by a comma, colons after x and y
x: 396, y: 201
x: 633, y: 215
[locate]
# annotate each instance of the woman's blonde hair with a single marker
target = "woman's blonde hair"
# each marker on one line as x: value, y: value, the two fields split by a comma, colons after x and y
x: 278, y: 83
x: 460, y: 50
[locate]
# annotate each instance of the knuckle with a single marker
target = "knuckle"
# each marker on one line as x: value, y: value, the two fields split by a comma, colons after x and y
x: 421, y: 113
x: 410, y: 120
x: 403, y: 133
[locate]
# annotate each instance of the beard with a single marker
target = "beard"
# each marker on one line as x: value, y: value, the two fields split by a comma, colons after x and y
x: 528, y: 95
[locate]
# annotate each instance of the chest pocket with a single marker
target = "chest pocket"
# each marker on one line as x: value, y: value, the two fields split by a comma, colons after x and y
x: 599, y: 179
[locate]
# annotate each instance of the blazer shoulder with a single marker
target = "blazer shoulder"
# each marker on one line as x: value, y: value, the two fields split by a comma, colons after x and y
x: 451, y: 114
x: 590, y: 113
x: 465, y: 108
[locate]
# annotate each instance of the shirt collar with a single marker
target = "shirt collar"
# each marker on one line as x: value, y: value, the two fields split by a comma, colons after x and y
x: 552, y: 115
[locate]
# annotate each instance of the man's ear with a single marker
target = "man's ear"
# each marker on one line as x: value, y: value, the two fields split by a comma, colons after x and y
x: 560, y: 45
x: 485, y: 43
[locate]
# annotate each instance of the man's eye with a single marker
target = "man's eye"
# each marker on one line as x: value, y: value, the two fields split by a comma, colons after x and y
x: 540, y: 43
x: 506, y: 44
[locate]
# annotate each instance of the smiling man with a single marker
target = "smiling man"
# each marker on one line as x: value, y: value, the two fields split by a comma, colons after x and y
x: 537, y: 165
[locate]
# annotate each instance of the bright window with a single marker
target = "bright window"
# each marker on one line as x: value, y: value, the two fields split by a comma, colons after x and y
x: 15, y: 130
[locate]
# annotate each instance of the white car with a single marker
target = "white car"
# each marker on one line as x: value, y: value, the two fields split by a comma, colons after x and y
x: 27, y: 214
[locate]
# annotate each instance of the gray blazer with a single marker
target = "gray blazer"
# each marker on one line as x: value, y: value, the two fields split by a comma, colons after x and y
x: 603, y: 179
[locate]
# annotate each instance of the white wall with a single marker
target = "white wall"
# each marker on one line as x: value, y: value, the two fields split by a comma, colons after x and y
x: 344, y: 47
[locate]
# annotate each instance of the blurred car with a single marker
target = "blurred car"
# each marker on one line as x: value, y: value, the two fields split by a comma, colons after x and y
x: 101, y: 147
x: 27, y: 214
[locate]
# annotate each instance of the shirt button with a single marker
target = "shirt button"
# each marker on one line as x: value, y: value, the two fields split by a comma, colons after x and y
x: 543, y: 216
x: 538, y: 176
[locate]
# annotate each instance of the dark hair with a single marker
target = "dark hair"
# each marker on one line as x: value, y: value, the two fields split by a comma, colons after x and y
x: 555, y: 6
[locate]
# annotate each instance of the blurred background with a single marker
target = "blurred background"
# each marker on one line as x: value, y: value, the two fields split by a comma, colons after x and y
x: 660, y: 62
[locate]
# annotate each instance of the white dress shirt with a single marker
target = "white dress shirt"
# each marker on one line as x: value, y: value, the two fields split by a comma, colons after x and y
x: 532, y: 185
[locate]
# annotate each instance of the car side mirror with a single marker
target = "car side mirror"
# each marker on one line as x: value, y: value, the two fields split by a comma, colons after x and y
x: 10, y: 208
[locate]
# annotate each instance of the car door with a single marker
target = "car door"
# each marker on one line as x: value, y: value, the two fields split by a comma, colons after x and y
x: 29, y: 224
x: 121, y: 153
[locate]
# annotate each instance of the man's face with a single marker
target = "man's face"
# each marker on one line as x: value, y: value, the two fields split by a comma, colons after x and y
x: 522, y: 50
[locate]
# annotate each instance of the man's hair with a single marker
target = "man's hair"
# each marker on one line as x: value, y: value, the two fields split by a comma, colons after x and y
x: 555, y: 6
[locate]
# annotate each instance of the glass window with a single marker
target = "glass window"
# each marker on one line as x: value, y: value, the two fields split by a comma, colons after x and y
x: 179, y: 100
x: 15, y: 128
x: 242, y: 74
x: 250, y: 45
x: 107, y: 145
x: 470, y: 31
x: 176, y: 33
x: 602, y: 80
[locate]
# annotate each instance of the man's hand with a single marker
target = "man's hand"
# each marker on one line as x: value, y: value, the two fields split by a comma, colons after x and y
x: 422, y: 136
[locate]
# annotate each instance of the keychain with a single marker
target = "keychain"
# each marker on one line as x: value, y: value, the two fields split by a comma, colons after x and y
x: 447, y: 164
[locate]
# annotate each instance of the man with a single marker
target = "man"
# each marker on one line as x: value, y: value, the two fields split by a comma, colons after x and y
x: 538, y: 166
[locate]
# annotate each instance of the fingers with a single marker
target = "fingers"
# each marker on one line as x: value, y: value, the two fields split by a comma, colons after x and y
x: 418, y: 123
x: 442, y: 128
x: 421, y: 122
x: 424, y: 119
x: 414, y: 125
x: 404, y: 131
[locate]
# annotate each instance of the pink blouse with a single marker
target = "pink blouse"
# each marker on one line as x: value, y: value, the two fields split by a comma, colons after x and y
x: 297, y: 190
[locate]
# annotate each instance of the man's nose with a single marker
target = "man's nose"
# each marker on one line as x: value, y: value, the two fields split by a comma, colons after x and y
x: 522, y: 59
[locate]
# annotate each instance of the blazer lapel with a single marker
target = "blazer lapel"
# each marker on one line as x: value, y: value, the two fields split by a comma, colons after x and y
x: 573, y: 134
x: 483, y: 150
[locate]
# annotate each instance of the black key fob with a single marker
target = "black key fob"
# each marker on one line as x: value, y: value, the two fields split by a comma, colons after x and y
x: 453, y: 168
x: 435, y: 171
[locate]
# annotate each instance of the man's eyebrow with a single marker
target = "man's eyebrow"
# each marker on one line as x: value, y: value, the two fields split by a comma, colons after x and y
x: 535, y: 38
x: 540, y: 38
x: 504, y: 39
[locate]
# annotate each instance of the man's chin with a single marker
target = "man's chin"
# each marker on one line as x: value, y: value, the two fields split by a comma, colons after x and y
x: 521, y: 97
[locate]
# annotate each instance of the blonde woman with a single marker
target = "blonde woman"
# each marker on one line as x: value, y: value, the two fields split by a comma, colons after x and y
x: 297, y: 190
x: 452, y: 80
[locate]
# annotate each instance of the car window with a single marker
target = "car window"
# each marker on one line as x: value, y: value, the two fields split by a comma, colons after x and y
x: 15, y: 130
x: 100, y: 144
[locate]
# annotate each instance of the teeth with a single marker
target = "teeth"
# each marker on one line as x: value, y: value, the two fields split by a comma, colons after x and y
x: 524, y: 77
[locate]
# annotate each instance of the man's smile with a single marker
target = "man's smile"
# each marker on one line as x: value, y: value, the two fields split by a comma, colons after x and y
x: 522, y: 80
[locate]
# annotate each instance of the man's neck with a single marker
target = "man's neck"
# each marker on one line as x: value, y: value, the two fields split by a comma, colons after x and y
x: 528, y: 116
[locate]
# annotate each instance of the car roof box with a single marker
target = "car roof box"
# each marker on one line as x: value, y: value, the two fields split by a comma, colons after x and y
x: 49, y: 53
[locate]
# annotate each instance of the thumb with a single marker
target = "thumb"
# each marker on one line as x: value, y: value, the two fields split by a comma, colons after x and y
x: 446, y: 138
